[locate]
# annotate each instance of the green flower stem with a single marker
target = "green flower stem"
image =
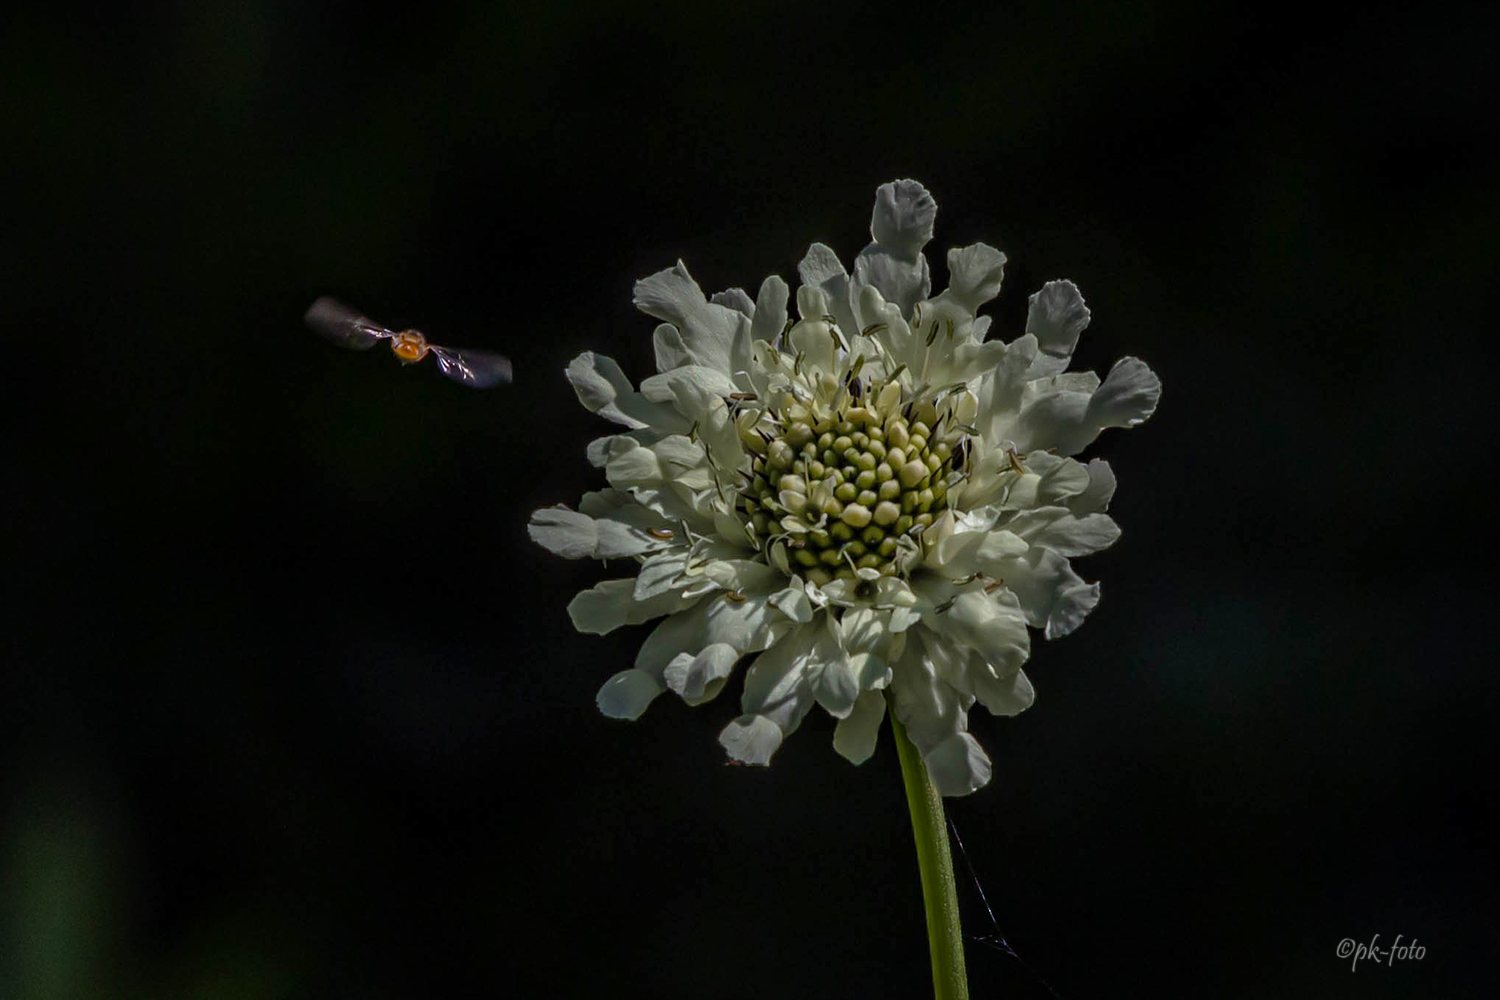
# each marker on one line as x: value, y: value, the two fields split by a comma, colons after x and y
x: 945, y: 937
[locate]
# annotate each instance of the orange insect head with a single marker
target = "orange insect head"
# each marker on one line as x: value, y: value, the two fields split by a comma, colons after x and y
x: 409, y: 346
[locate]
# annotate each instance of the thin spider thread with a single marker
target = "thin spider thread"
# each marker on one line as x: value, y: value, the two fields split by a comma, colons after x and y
x: 995, y: 941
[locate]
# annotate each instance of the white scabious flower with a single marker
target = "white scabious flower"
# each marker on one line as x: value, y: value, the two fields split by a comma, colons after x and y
x: 870, y: 500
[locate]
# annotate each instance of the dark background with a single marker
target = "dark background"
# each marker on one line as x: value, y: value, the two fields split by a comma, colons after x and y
x: 291, y: 707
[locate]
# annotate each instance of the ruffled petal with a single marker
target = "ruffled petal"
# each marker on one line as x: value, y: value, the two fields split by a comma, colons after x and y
x: 900, y: 227
x: 1056, y: 317
x: 609, y: 604
x: 626, y: 694
x: 990, y: 625
x: 689, y: 387
x: 700, y: 678
x: 835, y: 683
x: 974, y: 275
x: 1100, y: 490
x: 673, y: 635
x: 821, y: 269
x: 793, y: 602
x: 856, y: 734
x: 958, y: 765
x: 770, y: 310
x: 903, y: 282
x: 745, y: 620
x: 903, y: 219
x: 778, y: 684
x: 936, y: 719
x: 602, y: 388
x: 1054, y: 597
x: 1065, y: 414
x: 751, y: 739
x: 967, y: 552
x: 673, y: 459
x: 736, y: 299
x: 1128, y: 396
x: 1007, y: 695
x: 575, y: 535
x: 660, y: 574
x: 1065, y: 533
x: 715, y: 335
x: 671, y: 352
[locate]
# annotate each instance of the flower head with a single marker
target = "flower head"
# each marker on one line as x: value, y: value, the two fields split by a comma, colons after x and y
x: 868, y: 498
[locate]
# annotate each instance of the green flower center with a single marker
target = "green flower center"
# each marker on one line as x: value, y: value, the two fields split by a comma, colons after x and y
x: 850, y: 488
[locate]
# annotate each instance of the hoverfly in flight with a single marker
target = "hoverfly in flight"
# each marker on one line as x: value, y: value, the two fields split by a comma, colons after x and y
x: 347, y: 328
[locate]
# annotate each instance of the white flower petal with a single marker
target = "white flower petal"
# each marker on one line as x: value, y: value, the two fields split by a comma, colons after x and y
x: 967, y: 552
x: 1128, y: 396
x: 1056, y: 317
x: 1055, y: 420
x: 1005, y: 695
x: 958, y: 765
x: 821, y: 269
x: 1053, y: 596
x: 990, y: 625
x: 778, y: 684
x: 671, y: 352
x: 714, y: 335
x: 674, y: 634
x: 903, y: 218
x: 736, y: 299
x: 673, y: 459
x: 902, y: 282
x: 751, y: 739
x: 565, y: 532
x: 675, y: 506
x: 689, y: 387
x: 770, y: 310
x: 855, y: 735
x: 1098, y: 493
x: 1064, y: 533
x: 793, y: 603
x: 698, y: 679
x: 660, y: 574
x: 602, y: 388
x: 936, y: 719
x: 904, y: 618
x: 1058, y: 415
x: 575, y: 535
x: 745, y: 620
x: 609, y: 604
x: 819, y: 266
x: 731, y: 529
x: 597, y: 380
x: 929, y: 707
x: 974, y: 275
x: 981, y: 637
x: 813, y: 339
x: 1000, y: 392
x: 626, y: 694
x: 835, y: 686
x: 834, y: 683
x: 631, y: 463
x: 598, y: 451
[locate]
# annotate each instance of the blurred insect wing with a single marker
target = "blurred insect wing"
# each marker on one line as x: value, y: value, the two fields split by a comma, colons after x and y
x: 335, y: 321
x: 479, y: 369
